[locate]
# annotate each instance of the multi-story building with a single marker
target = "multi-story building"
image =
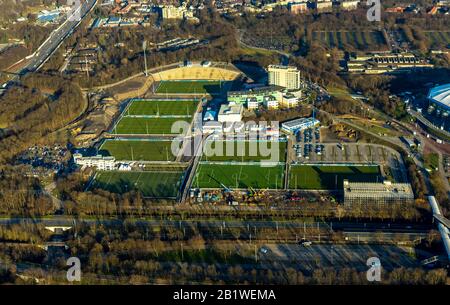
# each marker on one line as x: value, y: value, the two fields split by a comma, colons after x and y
x: 172, y: 12
x: 289, y: 101
x: 271, y: 102
x: 252, y: 103
x: 298, y: 7
x: 284, y: 76
x: 372, y: 193
x: 349, y: 5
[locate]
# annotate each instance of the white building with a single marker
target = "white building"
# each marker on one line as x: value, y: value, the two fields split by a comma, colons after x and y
x: 284, y: 76
x: 252, y: 103
x: 230, y: 113
x: 100, y: 162
x: 270, y: 102
x: 212, y: 127
x: 289, y: 101
x: 298, y: 124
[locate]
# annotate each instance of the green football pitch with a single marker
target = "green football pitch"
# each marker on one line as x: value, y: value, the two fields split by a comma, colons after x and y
x: 138, y: 150
x: 158, y: 184
x: 133, y: 125
x: 154, y: 107
x: 192, y: 86
x: 238, y: 176
x: 322, y: 177
x: 244, y: 151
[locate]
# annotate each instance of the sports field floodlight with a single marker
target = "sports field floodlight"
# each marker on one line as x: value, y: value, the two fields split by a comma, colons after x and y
x: 144, y: 47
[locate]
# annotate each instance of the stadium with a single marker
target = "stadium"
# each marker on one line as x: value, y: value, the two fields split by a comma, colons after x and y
x: 195, y: 79
x: 439, y: 98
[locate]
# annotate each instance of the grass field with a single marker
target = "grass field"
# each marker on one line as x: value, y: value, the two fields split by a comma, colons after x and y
x: 136, y: 150
x: 244, y: 151
x: 191, y: 86
x: 133, y: 125
x: 351, y: 40
x: 330, y: 177
x: 238, y: 176
x: 158, y: 184
x: 431, y: 161
x: 149, y: 107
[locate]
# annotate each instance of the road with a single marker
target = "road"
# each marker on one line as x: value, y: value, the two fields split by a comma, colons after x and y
x: 344, y: 226
x: 56, y: 38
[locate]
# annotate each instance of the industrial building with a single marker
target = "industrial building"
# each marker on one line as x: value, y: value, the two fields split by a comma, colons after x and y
x: 368, y: 193
x: 284, y: 76
x: 298, y: 124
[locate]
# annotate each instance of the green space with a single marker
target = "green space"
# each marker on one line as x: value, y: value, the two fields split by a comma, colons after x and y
x: 431, y: 161
x: 340, y: 92
x: 138, y: 150
x: 133, y: 125
x: 324, y: 177
x: 244, y: 151
x: 351, y: 40
x: 158, y: 184
x: 238, y: 176
x: 155, y: 107
x: 190, y: 86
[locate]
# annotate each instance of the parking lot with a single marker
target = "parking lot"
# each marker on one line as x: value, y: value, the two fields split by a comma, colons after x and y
x: 305, y: 147
x: 339, y: 256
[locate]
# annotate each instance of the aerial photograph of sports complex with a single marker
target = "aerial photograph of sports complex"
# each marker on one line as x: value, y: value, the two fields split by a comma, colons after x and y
x: 215, y: 143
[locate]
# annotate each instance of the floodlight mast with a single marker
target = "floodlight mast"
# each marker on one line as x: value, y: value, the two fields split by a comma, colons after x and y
x: 144, y: 47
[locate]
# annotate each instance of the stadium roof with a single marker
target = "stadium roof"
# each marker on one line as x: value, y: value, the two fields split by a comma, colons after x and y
x: 440, y: 94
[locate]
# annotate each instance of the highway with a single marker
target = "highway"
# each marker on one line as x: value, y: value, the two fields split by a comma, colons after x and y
x: 249, y: 224
x: 56, y: 38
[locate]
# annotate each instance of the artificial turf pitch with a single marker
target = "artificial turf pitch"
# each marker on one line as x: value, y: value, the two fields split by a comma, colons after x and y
x: 157, y: 184
x: 244, y: 151
x: 324, y: 177
x: 162, y: 107
x: 138, y: 150
x: 238, y: 176
x: 143, y: 126
x: 190, y: 87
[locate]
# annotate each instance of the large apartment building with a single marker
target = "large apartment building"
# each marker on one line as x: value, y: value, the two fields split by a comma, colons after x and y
x: 284, y: 76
